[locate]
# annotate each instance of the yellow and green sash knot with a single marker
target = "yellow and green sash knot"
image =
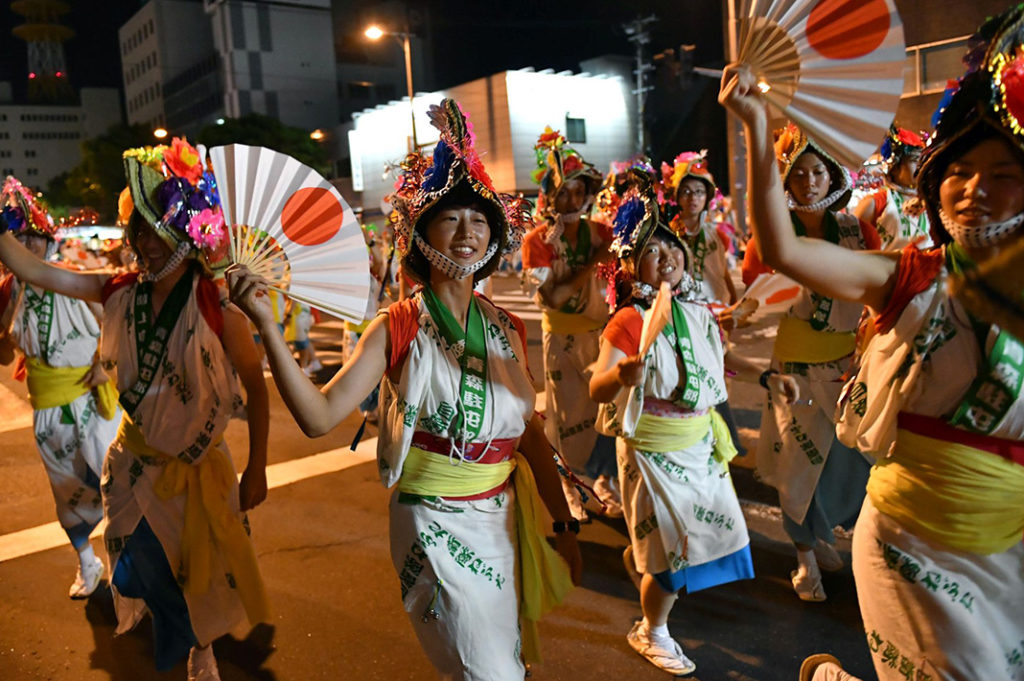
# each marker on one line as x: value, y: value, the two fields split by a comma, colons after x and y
x: 210, y: 521
x: 673, y: 434
x: 568, y: 323
x: 57, y: 386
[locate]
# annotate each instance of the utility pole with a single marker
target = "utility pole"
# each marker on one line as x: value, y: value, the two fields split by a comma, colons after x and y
x: 637, y: 32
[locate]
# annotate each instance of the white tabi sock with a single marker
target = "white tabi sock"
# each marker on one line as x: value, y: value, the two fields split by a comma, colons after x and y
x: 661, y: 630
x: 86, y: 557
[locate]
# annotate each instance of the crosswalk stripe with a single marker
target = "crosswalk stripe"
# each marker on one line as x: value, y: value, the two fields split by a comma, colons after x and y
x: 51, y: 535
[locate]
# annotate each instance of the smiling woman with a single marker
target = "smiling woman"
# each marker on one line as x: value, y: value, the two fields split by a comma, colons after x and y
x: 937, y: 398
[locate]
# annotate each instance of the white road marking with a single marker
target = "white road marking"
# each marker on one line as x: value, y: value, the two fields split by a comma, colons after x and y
x: 51, y: 536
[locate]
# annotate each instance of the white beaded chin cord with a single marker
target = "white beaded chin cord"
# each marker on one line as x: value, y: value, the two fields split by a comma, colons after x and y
x: 449, y: 266
x: 980, y: 236
x: 179, y: 255
x: 824, y: 203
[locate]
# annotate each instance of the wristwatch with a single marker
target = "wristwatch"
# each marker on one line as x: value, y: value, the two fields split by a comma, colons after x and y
x: 560, y: 526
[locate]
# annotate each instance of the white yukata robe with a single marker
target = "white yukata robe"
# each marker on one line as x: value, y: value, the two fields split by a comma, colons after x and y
x: 896, y: 226
x: 72, y: 439
x: 680, y: 507
x: 571, y: 338
x: 795, y: 439
x: 192, y: 397
x: 930, y: 612
x: 457, y: 559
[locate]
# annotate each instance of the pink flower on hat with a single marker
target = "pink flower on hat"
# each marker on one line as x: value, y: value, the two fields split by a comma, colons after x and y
x: 207, y: 228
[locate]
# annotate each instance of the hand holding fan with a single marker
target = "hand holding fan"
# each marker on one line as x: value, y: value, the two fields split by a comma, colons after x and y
x: 834, y: 67
x: 656, y: 318
x: 290, y: 226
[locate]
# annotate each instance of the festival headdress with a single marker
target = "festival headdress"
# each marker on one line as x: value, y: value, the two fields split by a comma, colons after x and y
x: 689, y: 164
x: 618, y: 180
x: 558, y: 163
x: 899, y: 143
x: 991, y: 93
x: 24, y: 213
x: 790, y: 144
x: 426, y: 179
x: 170, y: 187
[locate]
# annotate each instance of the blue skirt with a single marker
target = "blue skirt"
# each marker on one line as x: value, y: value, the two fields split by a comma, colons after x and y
x: 730, y: 568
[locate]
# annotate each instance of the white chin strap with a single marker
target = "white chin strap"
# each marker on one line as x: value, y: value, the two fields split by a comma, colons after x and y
x: 824, y: 203
x: 445, y: 264
x: 981, y: 236
x: 176, y: 259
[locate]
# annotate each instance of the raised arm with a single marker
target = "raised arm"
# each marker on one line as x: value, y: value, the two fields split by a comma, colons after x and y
x: 824, y: 267
x: 30, y: 269
x: 316, y: 410
x: 612, y: 372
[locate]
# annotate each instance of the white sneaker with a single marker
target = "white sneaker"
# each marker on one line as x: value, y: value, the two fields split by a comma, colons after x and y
x: 202, y: 665
x: 86, y: 582
x: 605, y: 491
x: 828, y: 558
x: 661, y: 651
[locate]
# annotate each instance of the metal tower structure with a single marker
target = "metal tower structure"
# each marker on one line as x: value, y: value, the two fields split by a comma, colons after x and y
x: 47, y: 73
x: 638, y: 33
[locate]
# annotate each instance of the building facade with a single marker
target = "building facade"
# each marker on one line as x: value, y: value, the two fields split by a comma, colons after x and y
x: 508, y: 110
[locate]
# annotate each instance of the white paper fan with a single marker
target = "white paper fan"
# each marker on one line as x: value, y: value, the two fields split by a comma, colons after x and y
x: 834, y: 67
x: 291, y: 226
x: 656, y: 318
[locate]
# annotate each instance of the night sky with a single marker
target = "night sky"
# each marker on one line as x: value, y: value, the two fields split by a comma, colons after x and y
x: 472, y: 38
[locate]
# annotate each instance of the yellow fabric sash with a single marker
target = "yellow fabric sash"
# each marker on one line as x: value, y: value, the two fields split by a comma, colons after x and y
x: 952, y: 494
x: 56, y: 386
x: 672, y: 434
x: 555, y: 321
x: 209, y: 521
x: 357, y: 329
x: 544, y: 576
x: 798, y: 342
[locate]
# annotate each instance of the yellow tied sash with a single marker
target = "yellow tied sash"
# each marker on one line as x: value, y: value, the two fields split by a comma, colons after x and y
x: 56, y: 386
x: 555, y: 321
x: 209, y: 520
x: 673, y: 434
x: 357, y: 329
x: 798, y: 342
x: 544, y: 576
x: 952, y: 494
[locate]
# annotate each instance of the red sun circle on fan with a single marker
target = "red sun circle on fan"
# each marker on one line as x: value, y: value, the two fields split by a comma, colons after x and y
x: 311, y: 216
x: 847, y: 29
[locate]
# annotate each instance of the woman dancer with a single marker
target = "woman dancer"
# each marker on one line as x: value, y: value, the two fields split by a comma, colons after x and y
x: 819, y: 479
x: 176, y: 536
x: 73, y: 400
x: 459, y: 437
x: 685, y: 524
x: 937, y: 554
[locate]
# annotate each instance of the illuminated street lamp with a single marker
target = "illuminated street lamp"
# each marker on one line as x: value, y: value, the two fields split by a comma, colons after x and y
x: 317, y: 135
x: 375, y: 32
x: 160, y: 133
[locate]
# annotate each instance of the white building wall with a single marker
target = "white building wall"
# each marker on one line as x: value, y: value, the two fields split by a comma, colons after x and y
x: 508, y: 110
x: 543, y: 99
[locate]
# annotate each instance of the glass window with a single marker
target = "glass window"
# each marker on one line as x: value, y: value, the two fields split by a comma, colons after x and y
x: 576, y: 130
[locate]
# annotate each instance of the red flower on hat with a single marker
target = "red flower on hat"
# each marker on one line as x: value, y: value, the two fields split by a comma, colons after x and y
x: 1012, y: 85
x: 909, y: 138
x: 183, y: 160
x: 571, y: 164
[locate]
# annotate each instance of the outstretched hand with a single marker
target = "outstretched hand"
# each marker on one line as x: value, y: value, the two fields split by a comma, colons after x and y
x: 250, y: 293
x: 740, y: 95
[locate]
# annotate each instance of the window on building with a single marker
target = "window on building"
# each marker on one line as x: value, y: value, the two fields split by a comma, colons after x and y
x: 576, y: 130
x: 8, y: 171
x: 30, y: 153
x: 928, y: 67
x: 360, y: 90
x: 32, y: 171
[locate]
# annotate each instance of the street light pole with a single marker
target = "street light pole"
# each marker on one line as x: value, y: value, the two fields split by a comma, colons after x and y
x: 408, y: 81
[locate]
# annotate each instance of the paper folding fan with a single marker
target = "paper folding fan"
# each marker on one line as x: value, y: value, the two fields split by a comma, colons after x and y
x: 656, y: 318
x: 994, y: 291
x: 289, y: 225
x: 834, y: 67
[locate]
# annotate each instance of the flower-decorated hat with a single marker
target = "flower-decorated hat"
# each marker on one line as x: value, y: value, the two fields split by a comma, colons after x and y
x: 170, y: 188
x: 790, y: 144
x: 618, y: 180
x: 24, y: 213
x: 899, y: 144
x: 454, y: 166
x: 689, y: 164
x: 989, y: 95
x: 558, y: 163
x: 637, y: 220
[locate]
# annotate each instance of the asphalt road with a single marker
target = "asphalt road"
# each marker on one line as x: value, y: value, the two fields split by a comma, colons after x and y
x: 321, y: 538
